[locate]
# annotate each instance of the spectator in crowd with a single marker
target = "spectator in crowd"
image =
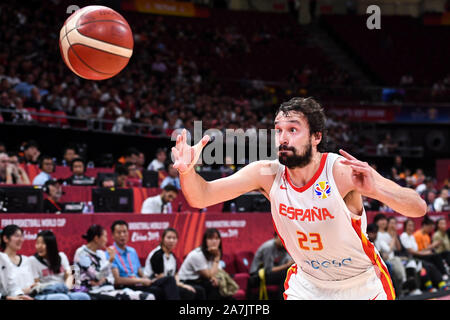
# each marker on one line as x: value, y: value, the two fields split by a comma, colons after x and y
x: 431, y: 277
x: 162, y: 262
x: 161, y: 203
x: 69, y: 154
x: 4, y: 163
x: 84, y: 110
x: 47, y: 167
x: 9, y: 289
x: 53, y: 189
x: 121, y: 176
x: 427, y: 185
x: 51, y: 271
x: 159, y: 162
x: 123, y: 123
x: 430, y: 197
x: 78, y: 177
x: 372, y: 232
x: 441, y: 201
x: 426, y: 247
x: 441, y: 241
x: 387, y: 243
x: 11, y: 240
x: 172, y: 177
x: 20, y: 114
x: 200, y: 267
x: 131, y: 155
x: 31, y: 153
x: 96, y: 277
x: 140, y: 163
x: 134, y: 178
x: 127, y: 270
x: 108, y: 114
x: 15, y: 174
x: 398, y: 169
x: 273, y: 258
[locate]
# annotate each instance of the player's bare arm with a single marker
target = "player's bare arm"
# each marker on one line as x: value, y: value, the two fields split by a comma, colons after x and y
x: 356, y: 177
x: 201, y: 193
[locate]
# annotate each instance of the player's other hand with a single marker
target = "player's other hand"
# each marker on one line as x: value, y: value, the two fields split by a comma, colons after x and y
x: 363, y: 175
x: 185, y: 156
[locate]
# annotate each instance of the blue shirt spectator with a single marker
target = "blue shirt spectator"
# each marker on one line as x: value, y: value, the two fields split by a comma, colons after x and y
x: 41, y: 178
x: 126, y: 261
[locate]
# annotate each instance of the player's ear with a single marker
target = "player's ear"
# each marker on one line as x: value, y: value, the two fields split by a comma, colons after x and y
x: 316, y: 138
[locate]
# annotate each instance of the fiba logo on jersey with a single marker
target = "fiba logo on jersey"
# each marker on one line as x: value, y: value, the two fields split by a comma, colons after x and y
x: 322, y: 189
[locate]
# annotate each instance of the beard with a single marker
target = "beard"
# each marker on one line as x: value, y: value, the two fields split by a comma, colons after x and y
x: 295, y: 160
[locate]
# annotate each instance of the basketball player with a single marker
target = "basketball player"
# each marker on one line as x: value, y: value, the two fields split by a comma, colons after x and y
x: 316, y: 205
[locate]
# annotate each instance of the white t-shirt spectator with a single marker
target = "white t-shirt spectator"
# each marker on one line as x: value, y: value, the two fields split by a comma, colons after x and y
x: 155, y: 165
x: 8, y: 287
x: 439, y: 203
x: 155, y: 205
x: 409, y: 242
x: 382, y: 243
x: 21, y: 273
x: 194, y: 262
x: 155, y: 256
x: 41, y: 271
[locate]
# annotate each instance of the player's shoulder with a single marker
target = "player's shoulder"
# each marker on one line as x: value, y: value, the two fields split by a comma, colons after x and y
x: 266, y: 167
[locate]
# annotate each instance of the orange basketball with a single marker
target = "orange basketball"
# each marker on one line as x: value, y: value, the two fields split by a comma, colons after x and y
x: 96, y: 42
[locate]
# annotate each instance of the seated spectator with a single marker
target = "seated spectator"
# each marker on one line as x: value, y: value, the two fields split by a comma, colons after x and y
x: 426, y: 248
x: 4, y: 163
x: 441, y: 240
x: 160, y: 203
x: 11, y: 240
x: 162, y: 262
x: 130, y: 155
x: 20, y: 114
x: 121, y: 176
x: 9, y: 289
x: 431, y: 277
x: 200, y: 267
x: 108, y: 183
x: 172, y: 178
x: 430, y: 197
x: 54, y: 193
x: 95, y: 270
x: 159, y: 162
x: 47, y: 167
x: 140, y: 164
x: 123, y: 123
x: 31, y: 153
x: 70, y: 153
x: 79, y: 177
x: 127, y: 270
x: 51, y: 271
x: 15, y: 173
x: 441, y: 201
x: 274, y: 259
x: 134, y: 178
x: 387, y: 243
x: 84, y: 110
x: 108, y: 114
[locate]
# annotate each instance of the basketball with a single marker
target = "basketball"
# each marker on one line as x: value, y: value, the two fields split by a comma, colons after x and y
x: 96, y: 42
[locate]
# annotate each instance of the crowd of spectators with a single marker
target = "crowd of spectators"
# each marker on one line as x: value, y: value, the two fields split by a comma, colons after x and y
x: 164, y: 87
x: 112, y: 272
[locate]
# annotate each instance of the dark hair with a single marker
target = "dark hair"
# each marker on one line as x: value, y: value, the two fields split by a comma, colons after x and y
x: 30, y: 144
x: 7, y: 232
x: 121, y: 170
x: 406, y: 222
x: 427, y: 221
x: 52, y: 250
x: 166, y: 231
x: 313, y: 113
x: 372, y: 227
x: 209, y: 233
x: 118, y: 223
x: 94, y: 231
x: 437, y: 223
x: 131, y: 151
x: 378, y: 217
x: 42, y: 158
x: 78, y: 160
x: 170, y: 187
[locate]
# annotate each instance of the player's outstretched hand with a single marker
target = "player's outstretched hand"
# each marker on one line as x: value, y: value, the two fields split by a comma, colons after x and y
x: 363, y: 175
x: 185, y: 156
